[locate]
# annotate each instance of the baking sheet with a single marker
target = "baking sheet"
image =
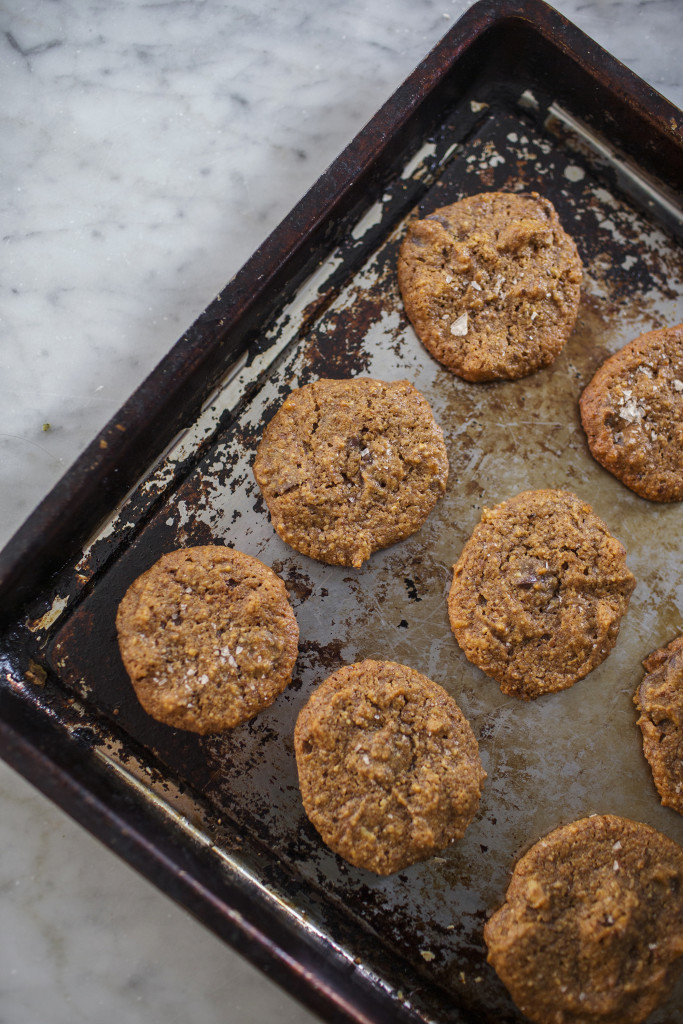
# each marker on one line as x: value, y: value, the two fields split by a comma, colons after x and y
x: 548, y: 762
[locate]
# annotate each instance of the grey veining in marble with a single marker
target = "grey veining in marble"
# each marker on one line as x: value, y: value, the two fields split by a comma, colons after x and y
x: 148, y: 148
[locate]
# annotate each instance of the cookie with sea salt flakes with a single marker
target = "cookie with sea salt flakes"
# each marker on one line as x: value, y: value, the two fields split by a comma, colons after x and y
x: 632, y: 412
x: 591, y: 931
x: 491, y: 284
x: 388, y: 765
x: 208, y: 638
x: 659, y: 698
x: 538, y: 592
x: 347, y: 467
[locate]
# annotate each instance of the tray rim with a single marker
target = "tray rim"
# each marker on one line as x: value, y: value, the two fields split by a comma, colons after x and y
x: 31, y: 740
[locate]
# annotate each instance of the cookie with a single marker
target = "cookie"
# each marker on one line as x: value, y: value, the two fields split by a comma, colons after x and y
x: 659, y: 698
x: 538, y: 592
x: 388, y: 765
x: 591, y: 931
x: 632, y: 412
x: 347, y: 467
x: 208, y: 638
x: 491, y: 284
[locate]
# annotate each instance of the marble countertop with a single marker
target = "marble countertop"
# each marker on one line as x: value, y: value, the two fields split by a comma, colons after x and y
x: 148, y: 149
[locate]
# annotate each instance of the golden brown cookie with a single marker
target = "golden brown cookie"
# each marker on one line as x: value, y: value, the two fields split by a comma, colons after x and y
x: 538, y: 592
x: 591, y: 931
x: 632, y: 412
x: 347, y: 467
x: 389, y: 768
x: 208, y: 638
x: 491, y: 284
x: 659, y: 698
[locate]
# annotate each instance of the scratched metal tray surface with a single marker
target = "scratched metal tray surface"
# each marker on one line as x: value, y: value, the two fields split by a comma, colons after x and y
x: 410, y: 944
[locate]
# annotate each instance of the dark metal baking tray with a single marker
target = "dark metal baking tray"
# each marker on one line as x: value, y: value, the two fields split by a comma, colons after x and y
x: 514, y: 97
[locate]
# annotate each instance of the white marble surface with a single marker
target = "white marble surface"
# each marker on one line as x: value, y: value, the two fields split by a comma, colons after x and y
x: 147, y: 149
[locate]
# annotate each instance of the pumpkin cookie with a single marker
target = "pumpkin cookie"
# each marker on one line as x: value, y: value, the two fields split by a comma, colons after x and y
x: 591, y: 931
x: 388, y: 765
x: 632, y: 412
x: 208, y: 638
x: 538, y: 593
x: 659, y: 698
x: 347, y: 467
x: 491, y: 284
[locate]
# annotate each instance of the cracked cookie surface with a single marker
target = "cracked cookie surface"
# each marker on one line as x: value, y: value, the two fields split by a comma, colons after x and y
x: 591, y: 931
x: 632, y: 412
x: 347, y: 467
x: 491, y: 284
x: 388, y: 765
x: 659, y: 698
x: 538, y: 592
x: 208, y: 638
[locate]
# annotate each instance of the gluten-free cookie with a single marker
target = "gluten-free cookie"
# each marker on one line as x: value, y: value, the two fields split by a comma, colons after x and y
x: 388, y: 765
x: 659, y: 698
x: 347, y: 467
x: 538, y: 592
x: 491, y: 284
x: 632, y: 412
x: 208, y: 638
x: 591, y: 931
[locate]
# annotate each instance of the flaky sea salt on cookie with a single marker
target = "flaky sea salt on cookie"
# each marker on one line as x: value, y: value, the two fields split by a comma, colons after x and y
x: 388, y: 765
x: 208, y: 638
x: 491, y: 284
x: 632, y: 412
x: 347, y: 467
